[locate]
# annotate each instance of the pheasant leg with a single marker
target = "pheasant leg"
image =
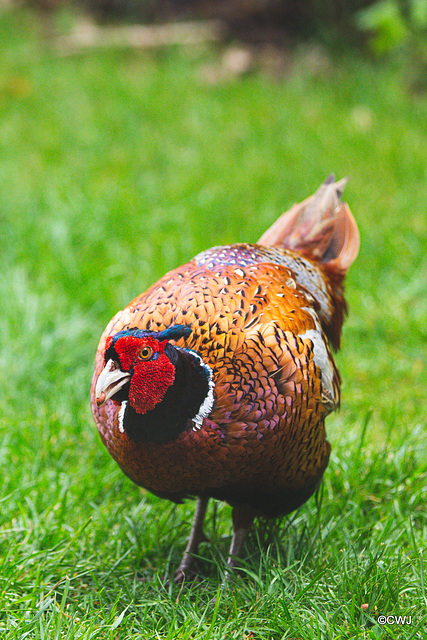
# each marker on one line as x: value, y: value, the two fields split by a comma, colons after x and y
x: 242, y: 521
x: 188, y: 568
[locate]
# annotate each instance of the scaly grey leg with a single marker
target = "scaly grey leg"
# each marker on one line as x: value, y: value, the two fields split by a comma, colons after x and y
x: 242, y: 521
x: 188, y: 568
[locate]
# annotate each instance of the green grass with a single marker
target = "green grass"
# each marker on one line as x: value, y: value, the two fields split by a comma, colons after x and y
x: 116, y: 167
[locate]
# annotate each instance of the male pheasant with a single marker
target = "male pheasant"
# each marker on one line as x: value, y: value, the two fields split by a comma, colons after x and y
x: 216, y: 382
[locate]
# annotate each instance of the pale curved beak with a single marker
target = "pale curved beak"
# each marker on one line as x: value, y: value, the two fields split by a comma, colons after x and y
x: 110, y: 380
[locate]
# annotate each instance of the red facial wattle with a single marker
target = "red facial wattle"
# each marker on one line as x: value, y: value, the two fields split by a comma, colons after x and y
x: 128, y: 349
x: 152, y: 376
x: 149, y: 383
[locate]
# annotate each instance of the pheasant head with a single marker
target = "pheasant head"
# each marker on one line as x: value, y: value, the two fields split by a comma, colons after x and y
x: 161, y: 389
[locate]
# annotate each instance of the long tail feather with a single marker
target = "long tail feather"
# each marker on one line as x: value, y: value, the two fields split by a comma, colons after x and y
x: 321, y: 227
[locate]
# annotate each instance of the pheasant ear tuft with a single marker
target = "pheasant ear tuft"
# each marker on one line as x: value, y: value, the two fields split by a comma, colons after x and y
x: 175, y: 332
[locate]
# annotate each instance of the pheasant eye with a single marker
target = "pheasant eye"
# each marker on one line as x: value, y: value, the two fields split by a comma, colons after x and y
x: 145, y: 353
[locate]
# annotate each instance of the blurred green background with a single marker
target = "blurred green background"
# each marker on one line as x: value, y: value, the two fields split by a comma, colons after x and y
x: 117, y: 163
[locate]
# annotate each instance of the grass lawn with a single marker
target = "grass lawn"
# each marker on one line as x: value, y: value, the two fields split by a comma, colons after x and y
x: 116, y: 167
